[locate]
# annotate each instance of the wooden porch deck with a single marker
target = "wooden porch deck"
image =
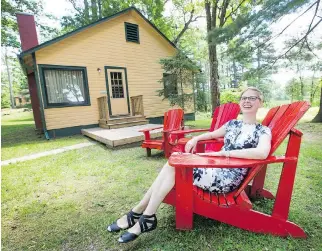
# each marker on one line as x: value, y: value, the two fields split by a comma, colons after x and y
x: 121, y: 136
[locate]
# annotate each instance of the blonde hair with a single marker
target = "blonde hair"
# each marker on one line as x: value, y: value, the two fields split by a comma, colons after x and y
x: 260, y: 94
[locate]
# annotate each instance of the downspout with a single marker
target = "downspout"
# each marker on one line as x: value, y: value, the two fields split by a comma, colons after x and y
x: 41, y: 107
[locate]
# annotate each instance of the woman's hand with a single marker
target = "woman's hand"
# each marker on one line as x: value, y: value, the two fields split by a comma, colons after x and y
x: 191, y: 145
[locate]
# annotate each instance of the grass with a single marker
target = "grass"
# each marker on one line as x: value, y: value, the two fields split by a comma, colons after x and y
x: 19, y: 137
x: 65, y: 201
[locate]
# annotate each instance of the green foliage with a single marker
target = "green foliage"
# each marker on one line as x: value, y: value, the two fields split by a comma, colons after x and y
x: 202, y: 99
x: 182, y: 70
x: 9, y: 29
x: 304, y: 89
x: 230, y: 95
x: 18, y: 79
x: 152, y: 9
x: 251, y: 17
x: 5, y: 98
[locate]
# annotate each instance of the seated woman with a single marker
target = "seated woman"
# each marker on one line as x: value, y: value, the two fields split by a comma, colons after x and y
x: 242, y: 139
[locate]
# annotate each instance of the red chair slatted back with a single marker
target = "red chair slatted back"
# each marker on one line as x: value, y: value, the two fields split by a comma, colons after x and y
x: 173, y: 120
x: 280, y: 120
x: 223, y: 114
x: 284, y: 120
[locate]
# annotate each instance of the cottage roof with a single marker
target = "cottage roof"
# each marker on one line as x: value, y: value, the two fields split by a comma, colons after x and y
x: 105, y: 19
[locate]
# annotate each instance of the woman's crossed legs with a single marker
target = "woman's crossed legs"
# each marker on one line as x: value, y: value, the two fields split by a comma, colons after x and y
x: 152, y: 198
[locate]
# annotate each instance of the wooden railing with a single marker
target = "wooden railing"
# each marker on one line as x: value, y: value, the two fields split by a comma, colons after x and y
x: 102, y: 108
x: 137, y: 105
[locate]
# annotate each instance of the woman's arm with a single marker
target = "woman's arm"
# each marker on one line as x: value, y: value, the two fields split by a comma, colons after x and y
x: 191, y: 144
x: 260, y: 152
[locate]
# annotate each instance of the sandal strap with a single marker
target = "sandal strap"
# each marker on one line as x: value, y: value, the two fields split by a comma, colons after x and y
x: 132, y: 218
x: 148, y: 219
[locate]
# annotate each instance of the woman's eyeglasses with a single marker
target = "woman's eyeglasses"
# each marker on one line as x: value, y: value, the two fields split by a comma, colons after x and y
x: 250, y: 98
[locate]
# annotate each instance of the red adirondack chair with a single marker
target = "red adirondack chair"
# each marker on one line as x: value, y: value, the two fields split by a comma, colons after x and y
x: 221, y: 115
x: 173, y: 120
x: 235, y: 207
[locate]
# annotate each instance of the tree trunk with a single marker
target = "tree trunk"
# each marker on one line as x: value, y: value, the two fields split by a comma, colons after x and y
x: 233, y: 84
x: 99, y: 3
x: 214, y: 79
x: 94, y: 10
x: 86, y: 12
x: 213, y: 61
x: 318, y: 117
x: 258, y: 66
x: 12, y: 102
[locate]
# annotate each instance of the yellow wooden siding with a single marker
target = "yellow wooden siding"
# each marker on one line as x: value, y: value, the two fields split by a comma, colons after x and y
x: 105, y: 45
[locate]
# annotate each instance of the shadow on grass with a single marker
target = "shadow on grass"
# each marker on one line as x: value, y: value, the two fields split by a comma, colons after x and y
x: 20, y: 120
x: 13, y: 135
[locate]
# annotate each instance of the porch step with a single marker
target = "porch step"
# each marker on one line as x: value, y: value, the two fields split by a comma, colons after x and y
x: 121, y: 123
x: 120, y: 119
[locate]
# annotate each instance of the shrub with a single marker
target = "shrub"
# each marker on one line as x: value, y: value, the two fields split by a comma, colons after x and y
x: 229, y: 95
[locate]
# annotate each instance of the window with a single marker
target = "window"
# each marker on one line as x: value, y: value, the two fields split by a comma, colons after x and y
x: 117, y: 85
x: 170, y: 84
x: 132, y: 33
x: 64, y: 86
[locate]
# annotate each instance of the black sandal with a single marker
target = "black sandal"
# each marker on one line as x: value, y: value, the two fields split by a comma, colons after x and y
x: 147, y: 224
x: 131, y: 217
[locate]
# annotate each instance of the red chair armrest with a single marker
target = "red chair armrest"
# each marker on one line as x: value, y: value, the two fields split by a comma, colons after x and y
x: 208, y: 141
x: 178, y: 132
x: 201, y: 142
x: 150, y: 129
x: 187, y: 160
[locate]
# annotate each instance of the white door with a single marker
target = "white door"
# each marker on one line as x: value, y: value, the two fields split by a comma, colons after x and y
x: 117, y: 91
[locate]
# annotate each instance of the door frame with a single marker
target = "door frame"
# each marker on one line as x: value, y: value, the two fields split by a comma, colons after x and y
x: 108, y: 89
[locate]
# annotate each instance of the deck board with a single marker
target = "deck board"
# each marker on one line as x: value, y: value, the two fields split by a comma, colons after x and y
x: 121, y: 136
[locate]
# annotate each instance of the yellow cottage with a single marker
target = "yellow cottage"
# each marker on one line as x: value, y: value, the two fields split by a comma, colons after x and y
x: 85, y: 78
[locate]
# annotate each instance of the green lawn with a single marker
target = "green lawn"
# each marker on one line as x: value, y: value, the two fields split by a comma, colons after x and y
x: 19, y: 137
x: 65, y: 201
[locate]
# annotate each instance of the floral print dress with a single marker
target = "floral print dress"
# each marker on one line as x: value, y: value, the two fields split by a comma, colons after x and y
x: 238, y: 135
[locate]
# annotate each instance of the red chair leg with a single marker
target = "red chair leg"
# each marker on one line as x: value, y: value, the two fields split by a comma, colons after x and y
x: 256, y: 190
x: 184, y: 199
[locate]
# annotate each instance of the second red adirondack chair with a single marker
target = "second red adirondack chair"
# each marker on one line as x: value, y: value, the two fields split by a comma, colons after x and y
x: 173, y: 120
x: 221, y: 115
x: 235, y: 208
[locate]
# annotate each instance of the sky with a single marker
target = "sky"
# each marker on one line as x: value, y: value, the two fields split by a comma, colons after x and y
x: 60, y: 8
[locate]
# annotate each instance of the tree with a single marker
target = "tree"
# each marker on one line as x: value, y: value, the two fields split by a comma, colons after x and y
x: 185, y: 12
x: 318, y: 117
x: 293, y: 89
x: 201, y: 100
x: 13, y: 77
x: 242, y: 19
x: 178, y: 79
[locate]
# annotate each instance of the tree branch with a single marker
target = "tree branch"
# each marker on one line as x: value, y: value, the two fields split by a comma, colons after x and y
x: 316, y: 10
x: 233, y: 11
x: 277, y: 35
x: 214, y: 14
x: 186, y: 27
x: 297, y: 42
x: 75, y: 6
x: 223, y: 13
x: 280, y: 33
x: 308, y: 46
